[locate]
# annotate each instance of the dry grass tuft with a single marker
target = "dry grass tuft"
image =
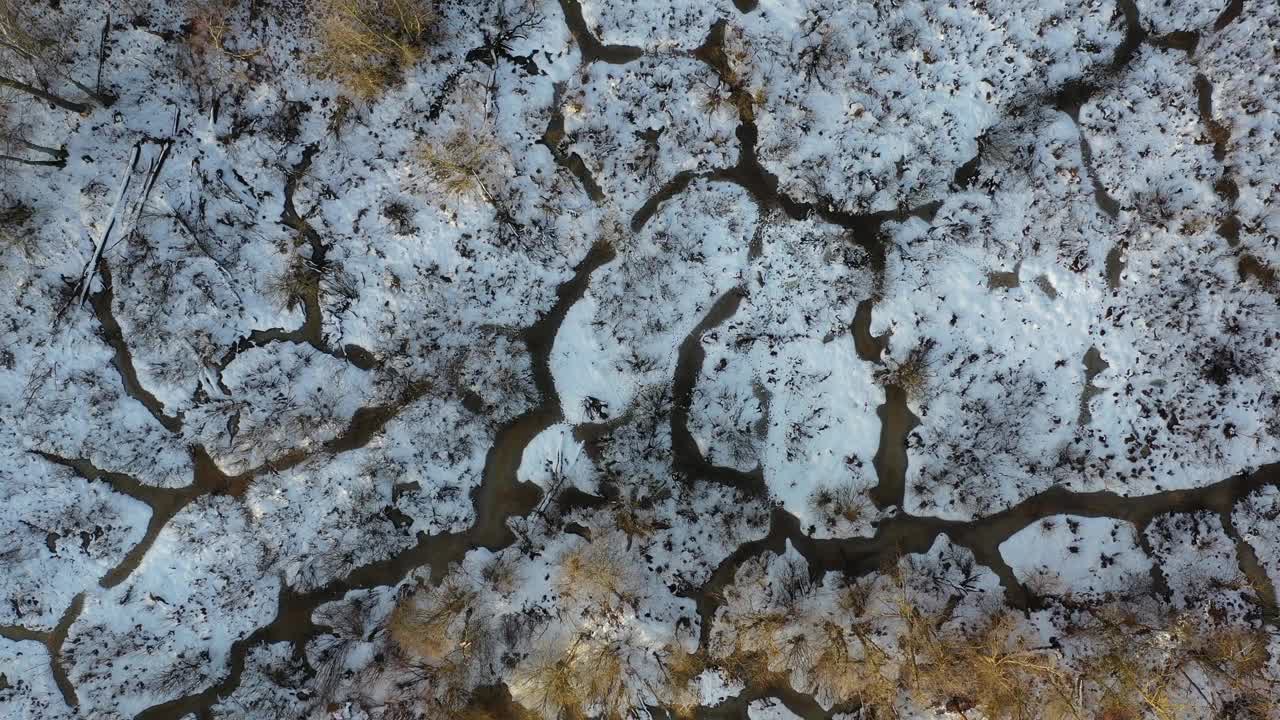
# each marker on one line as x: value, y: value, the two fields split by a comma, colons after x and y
x: 432, y: 624
x: 912, y: 374
x: 14, y: 229
x: 296, y: 285
x: 209, y: 29
x: 636, y: 522
x: 679, y: 669
x: 585, y: 678
x: 368, y: 44
x: 596, y: 570
x: 838, y: 503
x: 460, y: 166
x: 992, y: 668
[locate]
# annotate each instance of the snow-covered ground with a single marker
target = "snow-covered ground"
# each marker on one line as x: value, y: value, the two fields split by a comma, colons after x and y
x: 765, y: 357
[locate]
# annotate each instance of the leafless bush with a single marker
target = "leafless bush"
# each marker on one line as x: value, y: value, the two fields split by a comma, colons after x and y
x: 597, y: 571
x: 204, y: 59
x: 449, y: 640
x: 912, y: 374
x: 295, y: 285
x: 839, y: 503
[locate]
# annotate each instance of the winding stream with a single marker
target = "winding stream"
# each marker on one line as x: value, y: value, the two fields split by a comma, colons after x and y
x: 500, y: 496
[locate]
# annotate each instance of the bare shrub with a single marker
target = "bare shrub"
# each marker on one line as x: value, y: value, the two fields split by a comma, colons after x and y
x: 368, y: 44
x: 634, y: 519
x: 912, y: 374
x: 448, y: 640
x: 208, y: 44
x: 432, y: 624
x: 293, y: 287
x: 461, y: 165
x: 839, y: 503
x: 210, y: 31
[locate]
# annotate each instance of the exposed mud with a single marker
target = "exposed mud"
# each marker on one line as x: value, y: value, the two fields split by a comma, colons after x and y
x: 54, y: 645
x: 870, y: 348
x: 1094, y: 366
x: 1248, y: 265
x: 552, y: 138
x: 591, y: 47
x: 164, y: 502
x: 52, y: 642
x: 896, y: 419
x: 686, y: 458
x: 317, y: 265
x: 669, y: 190
x: 890, y: 462
x: 802, y: 705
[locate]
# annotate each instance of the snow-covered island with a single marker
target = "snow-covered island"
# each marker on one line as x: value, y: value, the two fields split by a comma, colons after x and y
x: 639, y: 359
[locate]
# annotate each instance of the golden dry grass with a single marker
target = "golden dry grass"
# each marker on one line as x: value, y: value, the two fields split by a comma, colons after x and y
x: 679, y: 668
x: 587, y: 677
x: 912, y: 374
x: 596, y: 570
x: 368, y: 44
x: 843, y: 502
x: 431, y: 625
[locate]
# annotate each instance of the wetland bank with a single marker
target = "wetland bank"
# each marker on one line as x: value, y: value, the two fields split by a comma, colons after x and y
x: 381, y: 359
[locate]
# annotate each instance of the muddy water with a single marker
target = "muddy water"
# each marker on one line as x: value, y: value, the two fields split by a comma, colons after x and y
x: 802, y: 705
x: 592, y: 49
x: 904, y: 534
x: 896, y: 419
x: 52, y: 642
x: 554, y: 135
x: 163, y: 502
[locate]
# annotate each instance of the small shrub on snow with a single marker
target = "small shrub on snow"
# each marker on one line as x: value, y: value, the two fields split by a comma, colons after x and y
x: 14, y: 228
x: 460, y: 166
x: 292, y: 287
x: 840, y: 503
x: 912, y: 374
